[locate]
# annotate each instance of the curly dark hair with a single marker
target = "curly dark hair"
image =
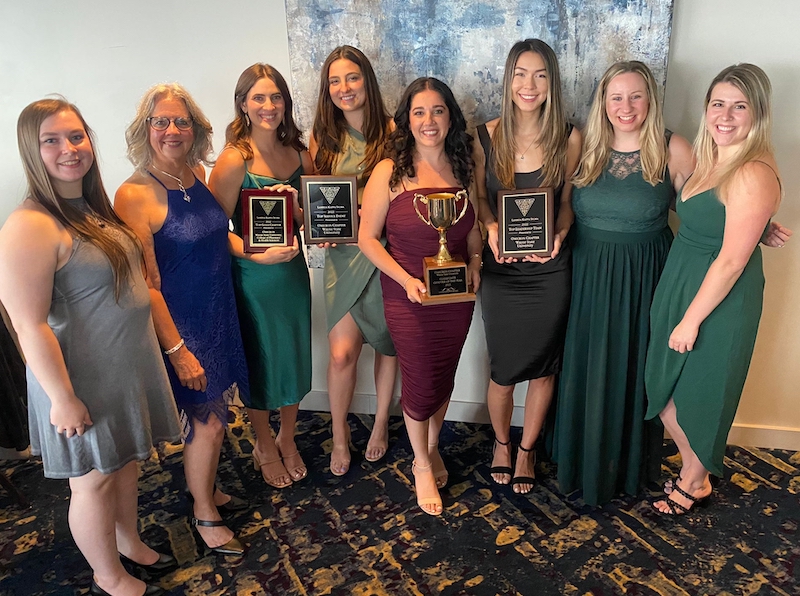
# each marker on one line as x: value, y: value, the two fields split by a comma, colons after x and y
x: 457, y: 144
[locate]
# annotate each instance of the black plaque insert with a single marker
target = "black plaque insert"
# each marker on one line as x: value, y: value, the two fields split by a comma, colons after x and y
x: 331, y: 209
x: 525, y: 222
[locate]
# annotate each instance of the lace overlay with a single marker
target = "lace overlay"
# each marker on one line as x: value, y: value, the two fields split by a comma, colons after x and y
x: 622, y: 165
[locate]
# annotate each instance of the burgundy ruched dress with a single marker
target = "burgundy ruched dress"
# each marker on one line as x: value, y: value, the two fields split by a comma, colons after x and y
x: 428, y: 339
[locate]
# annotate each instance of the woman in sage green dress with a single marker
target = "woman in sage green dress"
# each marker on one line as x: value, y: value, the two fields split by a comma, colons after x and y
x: 273, y: 292
x: 626, y: 180
x: 707, y: 306
x: 349, y: 134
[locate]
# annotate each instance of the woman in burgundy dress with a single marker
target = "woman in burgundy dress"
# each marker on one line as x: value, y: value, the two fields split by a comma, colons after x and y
x: 430, y: 152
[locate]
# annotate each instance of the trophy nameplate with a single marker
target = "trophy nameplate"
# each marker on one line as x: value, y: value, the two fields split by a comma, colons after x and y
x: 525, y: 222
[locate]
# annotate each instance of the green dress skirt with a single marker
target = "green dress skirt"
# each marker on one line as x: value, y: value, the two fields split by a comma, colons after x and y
x: 352, y: 282
x: 707, y: 382
x: 274, y: 304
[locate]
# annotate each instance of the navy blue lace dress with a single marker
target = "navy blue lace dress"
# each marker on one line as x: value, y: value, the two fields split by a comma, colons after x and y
x: 195, y: 266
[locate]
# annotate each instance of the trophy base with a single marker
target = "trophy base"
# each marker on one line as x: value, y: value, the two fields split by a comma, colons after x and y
x: 447, y: 283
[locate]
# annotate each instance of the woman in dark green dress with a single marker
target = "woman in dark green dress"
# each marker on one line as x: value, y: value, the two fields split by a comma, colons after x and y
x: 273, y: 292
x: 627, y: 178
x: 707, y: 306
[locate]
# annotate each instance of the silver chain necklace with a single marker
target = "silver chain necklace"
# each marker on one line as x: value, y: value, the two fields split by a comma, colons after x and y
x: 181, y: 187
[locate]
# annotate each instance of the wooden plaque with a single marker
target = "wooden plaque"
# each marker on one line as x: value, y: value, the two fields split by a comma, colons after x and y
x: 330, y: 211
x: 526, y: 222
x: 266, y: 219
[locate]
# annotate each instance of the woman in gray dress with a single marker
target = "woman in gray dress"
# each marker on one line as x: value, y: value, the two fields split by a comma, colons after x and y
x: 99, y: 397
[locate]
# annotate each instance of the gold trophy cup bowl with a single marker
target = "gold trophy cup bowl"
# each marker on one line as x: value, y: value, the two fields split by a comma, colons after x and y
x: 442, y: 216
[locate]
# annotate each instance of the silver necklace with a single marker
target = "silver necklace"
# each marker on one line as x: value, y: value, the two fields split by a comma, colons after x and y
x: 181, y: 187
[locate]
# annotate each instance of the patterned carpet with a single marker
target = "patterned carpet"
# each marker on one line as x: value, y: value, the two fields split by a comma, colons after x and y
x: 363, y: 534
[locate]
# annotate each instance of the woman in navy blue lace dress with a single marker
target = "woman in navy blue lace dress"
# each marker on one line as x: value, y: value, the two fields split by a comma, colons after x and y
x: 184, y: 232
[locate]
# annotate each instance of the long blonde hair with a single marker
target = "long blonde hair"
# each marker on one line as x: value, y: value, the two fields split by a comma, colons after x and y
x: 140, y: 153
x: 41, y: 190
x: 599, y: 133
x: 554, y: 128
x: 754, y: 84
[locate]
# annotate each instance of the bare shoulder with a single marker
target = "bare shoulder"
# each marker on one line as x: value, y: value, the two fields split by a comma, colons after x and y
x: 755, y: 186
x: 575, y: 138
x: 383, y: 170
x: 230, y: 159
x: 308, y: 165
x: 491, y: 125
x: 30, y: 227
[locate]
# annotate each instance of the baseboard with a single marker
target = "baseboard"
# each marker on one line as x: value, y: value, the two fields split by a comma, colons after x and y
x: 755, y: 435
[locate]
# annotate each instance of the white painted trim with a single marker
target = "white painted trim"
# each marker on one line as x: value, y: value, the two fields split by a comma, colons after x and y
x: 764, y: 436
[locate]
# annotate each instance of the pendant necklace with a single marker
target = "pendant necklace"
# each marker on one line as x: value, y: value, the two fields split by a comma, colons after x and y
x: 522, y: 155
x: 181, y: 187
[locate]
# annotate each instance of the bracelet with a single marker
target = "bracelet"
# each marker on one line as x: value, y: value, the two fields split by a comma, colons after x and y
x: 175, y: 348
x: 476, y: 255
x: 409, y: 278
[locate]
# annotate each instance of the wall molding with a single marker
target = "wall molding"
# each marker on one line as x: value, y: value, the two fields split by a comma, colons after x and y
x: 754, y: 435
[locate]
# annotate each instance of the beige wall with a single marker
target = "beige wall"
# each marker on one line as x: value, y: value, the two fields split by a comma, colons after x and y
x: 102, y: 55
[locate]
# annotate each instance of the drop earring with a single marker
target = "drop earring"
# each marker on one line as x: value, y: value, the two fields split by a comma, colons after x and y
x: 247, y: 120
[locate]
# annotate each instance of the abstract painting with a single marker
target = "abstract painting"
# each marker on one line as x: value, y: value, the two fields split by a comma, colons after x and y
x: 465, y: 43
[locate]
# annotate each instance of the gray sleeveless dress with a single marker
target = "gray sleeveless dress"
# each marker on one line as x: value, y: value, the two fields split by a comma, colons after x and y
x: 114, y: 363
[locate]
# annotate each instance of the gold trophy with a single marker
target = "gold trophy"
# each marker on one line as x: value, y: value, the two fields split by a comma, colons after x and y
x: 445, y: 276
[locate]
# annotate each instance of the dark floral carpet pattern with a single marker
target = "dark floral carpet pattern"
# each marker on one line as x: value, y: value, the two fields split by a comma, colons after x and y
x: 363, y: 534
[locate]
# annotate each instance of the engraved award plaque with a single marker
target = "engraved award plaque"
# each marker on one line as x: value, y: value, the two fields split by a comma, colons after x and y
x: 445, y: 276
x: 331, y: 209
x: 525, y: 222
x: 266, y: 219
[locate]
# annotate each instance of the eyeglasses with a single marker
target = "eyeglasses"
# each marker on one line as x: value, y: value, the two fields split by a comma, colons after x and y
x: 162, y: 122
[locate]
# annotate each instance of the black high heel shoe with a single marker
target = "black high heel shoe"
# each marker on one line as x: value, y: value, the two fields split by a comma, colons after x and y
x: 163, y: 564
x: 500, y: 469
x: 524, y: 479
x: 149, y: 590
x: 232, y: 547
x: 233, y: 506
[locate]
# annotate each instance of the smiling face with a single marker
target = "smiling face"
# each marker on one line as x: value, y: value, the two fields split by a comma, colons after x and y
x: 530, y: 84
x: 171, y: 145
x: 346, y: 85
x: 265, y: 105
x: 429, y: 118
x: 66, y: 152
x: 627, y: 103
x: 728, y: 115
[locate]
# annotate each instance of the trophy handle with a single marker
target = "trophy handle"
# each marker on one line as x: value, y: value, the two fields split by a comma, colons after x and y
x: 461, y: 194
x: 424, y: 200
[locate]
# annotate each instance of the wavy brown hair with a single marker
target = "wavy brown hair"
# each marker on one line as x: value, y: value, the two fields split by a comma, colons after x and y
x: 40, y: 189
x: 599, y: 133
x: 554, y: 127
x: 330, y: 126
x: 457, y: 144
x: 237, y: 134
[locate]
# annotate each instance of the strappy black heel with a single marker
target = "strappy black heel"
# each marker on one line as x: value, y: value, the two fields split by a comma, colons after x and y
x: 524, y: 479
x: 500, y: 469
x: 676, y: 508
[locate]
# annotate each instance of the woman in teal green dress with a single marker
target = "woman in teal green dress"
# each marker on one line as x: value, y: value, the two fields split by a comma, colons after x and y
x: 350, y: 130
x: 626, y: 180
x: 273, y: 292
x: 707, y: 306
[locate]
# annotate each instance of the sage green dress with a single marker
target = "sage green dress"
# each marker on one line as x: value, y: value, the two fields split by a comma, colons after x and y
x: 707, y: 382
x: 621, y: 239
x: 274, y: 304
x: 352, y: 282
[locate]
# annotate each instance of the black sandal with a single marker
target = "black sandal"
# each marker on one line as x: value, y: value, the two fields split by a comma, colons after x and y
x: 676, y: 508
x: 525, y: 479
x: 500, y: 469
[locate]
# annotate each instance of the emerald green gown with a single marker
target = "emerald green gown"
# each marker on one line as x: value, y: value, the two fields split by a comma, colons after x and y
x: 707, y: 382
x: 602, y: 443
x: 274, y: 304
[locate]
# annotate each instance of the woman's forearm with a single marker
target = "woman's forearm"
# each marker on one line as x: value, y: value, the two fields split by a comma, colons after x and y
x: 380, y: 257
x: 44, y: 357
x: 717, y: 284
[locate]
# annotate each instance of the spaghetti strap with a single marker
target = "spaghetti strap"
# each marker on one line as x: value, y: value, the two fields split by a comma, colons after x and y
x: 157, y: 180
x: 780, y: 186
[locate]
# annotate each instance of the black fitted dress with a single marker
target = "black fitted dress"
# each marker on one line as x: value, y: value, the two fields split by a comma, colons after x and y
x: 524, y: 305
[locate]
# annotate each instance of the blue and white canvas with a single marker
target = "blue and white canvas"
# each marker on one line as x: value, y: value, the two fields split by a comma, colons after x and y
x: 465, y: 43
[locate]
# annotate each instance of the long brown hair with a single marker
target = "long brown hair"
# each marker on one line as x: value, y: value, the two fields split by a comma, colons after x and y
x: 41, y: 190
x: 599, y: 133
x: 330, y: 125
x: 554, y: 128
x: 237, y: 134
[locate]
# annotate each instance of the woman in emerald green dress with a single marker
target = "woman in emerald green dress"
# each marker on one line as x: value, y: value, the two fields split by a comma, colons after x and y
x: 349, y: 134
x: 629, y: 172
x: 706, y: 309
x: 273, y: 292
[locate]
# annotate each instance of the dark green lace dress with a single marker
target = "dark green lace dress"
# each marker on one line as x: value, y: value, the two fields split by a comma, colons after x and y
x: 621, y: 239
